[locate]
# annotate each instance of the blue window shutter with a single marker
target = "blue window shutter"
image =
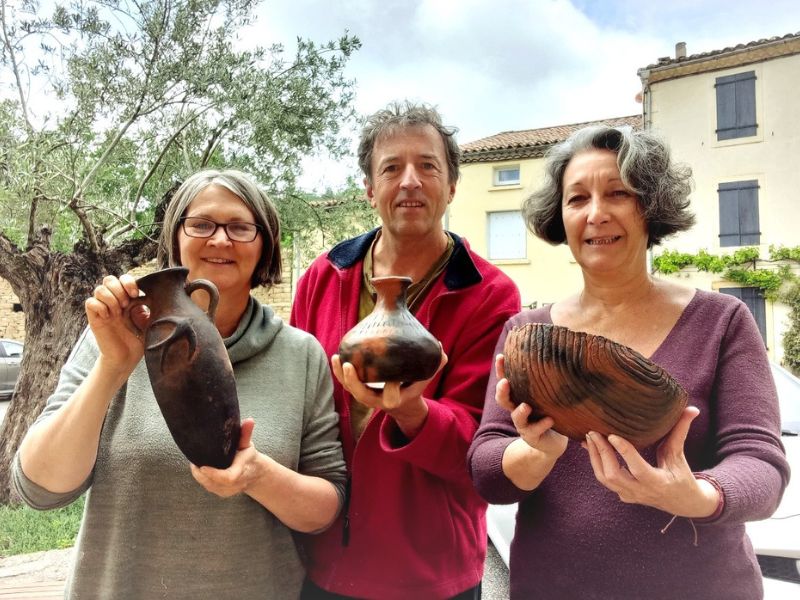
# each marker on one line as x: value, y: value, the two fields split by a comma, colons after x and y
x: 746, y: 107
x: 728, y: 218
x: 754, y: 300
x: 738, y: 213
x: 748, y: 216
x: 726, y: 110
x: 736, y: 105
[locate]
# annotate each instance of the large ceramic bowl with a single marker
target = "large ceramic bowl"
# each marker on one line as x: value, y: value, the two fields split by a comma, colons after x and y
x: 589, y: 383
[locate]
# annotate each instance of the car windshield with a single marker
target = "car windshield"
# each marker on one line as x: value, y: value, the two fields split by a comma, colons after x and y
x: 789, y: 396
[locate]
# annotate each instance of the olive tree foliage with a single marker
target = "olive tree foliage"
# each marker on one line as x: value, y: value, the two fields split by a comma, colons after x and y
x: 323, y: 219
x: 104, y: 106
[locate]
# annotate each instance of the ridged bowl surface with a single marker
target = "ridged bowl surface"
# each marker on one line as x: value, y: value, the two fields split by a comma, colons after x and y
x: 589, y: 383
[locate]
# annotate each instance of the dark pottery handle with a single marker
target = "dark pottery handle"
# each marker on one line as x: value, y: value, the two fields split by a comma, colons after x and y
x: 210, y: 289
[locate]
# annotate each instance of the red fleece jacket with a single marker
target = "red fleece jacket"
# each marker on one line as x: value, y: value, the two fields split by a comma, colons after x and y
x: 414, y: 527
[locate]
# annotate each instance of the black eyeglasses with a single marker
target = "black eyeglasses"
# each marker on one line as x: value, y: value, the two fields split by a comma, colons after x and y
x: 238, y: 231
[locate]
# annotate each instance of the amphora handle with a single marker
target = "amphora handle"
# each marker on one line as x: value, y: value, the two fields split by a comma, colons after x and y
x: 190, y: 287
x: 210, y: 289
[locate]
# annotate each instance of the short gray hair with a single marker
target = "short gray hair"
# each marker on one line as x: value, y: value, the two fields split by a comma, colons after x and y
x: 268, y: 269
x: 397, y: 116
x: 645, y: 167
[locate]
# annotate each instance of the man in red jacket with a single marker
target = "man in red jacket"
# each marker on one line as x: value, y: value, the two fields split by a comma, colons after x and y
x: 412, y: 526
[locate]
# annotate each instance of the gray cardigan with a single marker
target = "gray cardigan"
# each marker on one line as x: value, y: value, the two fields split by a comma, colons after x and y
x: 149, y: 530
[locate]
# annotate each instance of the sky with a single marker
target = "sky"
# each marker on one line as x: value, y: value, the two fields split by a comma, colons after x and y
x: 501, y: 65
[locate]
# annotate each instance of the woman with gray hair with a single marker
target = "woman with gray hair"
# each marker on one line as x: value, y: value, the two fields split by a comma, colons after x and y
x: 599, y: 518
x: 155, y: 526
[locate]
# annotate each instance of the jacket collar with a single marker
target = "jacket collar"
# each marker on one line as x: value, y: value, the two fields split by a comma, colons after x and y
x: 460, y: 272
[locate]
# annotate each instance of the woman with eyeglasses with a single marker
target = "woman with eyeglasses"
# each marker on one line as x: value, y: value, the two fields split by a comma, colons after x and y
x: 154, y: 525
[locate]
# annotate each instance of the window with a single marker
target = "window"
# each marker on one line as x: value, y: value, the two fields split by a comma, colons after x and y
x: 506, y: 176
x: 507, y: 238
x: 738, y: 213
x: 11, y: 348
x: 736, y: 106
x: 754, y: 300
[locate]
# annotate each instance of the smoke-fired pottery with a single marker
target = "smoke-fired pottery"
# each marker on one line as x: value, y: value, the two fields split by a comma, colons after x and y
x: 189, y: 368
x: 589, y: 383
x: 391, y: 344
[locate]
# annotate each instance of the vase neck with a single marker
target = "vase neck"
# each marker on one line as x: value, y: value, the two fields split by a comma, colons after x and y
x: 391, y: 292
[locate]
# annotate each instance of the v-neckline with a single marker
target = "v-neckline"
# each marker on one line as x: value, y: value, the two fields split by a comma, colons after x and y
x: 667, y: 337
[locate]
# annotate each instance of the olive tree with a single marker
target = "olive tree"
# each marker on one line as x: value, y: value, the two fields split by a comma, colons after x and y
x: 104, y: 106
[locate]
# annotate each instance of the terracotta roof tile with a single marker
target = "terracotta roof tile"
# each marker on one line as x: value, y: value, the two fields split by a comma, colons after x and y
x: 667, y: 61
x: 530, y: 143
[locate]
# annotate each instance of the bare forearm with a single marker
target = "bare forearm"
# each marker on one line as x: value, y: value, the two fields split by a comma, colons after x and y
x: 302, y: 502
x: 526, y: 467
x: 60, y: 453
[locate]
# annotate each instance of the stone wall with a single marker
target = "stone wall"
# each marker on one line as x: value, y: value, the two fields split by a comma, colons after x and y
x: 279, y: 297
x: 12, y: 324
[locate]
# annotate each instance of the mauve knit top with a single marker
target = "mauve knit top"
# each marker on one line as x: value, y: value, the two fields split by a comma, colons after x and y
x: 576, y: 539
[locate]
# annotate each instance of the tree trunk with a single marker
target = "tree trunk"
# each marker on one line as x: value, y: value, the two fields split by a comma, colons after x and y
x: 54, y: 319
x: 52, y: 288
x: 50, y: 332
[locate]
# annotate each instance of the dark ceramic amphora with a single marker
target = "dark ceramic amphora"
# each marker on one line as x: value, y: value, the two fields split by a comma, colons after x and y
x: 189, y: 368
x: 391, y: 344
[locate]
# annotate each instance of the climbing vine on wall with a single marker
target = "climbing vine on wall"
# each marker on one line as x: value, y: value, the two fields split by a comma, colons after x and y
x: 791, y: 338
x: 741, y: 266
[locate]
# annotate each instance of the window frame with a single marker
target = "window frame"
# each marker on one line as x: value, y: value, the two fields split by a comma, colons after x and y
x: 489, y: 237
x: 496, y: 182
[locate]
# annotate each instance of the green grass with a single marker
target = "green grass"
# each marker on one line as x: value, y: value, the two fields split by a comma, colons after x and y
x: 24, y: 530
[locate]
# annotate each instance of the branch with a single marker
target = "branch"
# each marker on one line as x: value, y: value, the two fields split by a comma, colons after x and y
x: 129, y: 225
x: 130, y: 222
x: 159, y: 158
x: 85, y: 222
x: 10, y: 261
x: 14, y: 67
x: 21, y: 268
x: 213, y: 142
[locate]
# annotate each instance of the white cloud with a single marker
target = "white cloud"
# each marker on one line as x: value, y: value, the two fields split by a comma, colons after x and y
x: 500, y: 65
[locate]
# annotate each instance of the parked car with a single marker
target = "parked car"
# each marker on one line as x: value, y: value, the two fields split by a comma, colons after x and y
x: 10, y: 357
x: 776, y: 540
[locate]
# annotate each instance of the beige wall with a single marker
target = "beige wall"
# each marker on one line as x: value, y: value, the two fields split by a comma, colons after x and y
x: 547, y: 273
x: 684, y: 111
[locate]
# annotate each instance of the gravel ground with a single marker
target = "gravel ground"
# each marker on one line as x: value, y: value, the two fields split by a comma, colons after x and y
x: 495, y: 577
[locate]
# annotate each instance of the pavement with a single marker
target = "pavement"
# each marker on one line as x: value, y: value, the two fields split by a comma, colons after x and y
x: 3, y: 409
x: 42, y: 573
x: 50, y: 565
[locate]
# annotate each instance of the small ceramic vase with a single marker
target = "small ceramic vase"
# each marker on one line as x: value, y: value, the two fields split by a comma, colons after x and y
x: 391, y: 344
